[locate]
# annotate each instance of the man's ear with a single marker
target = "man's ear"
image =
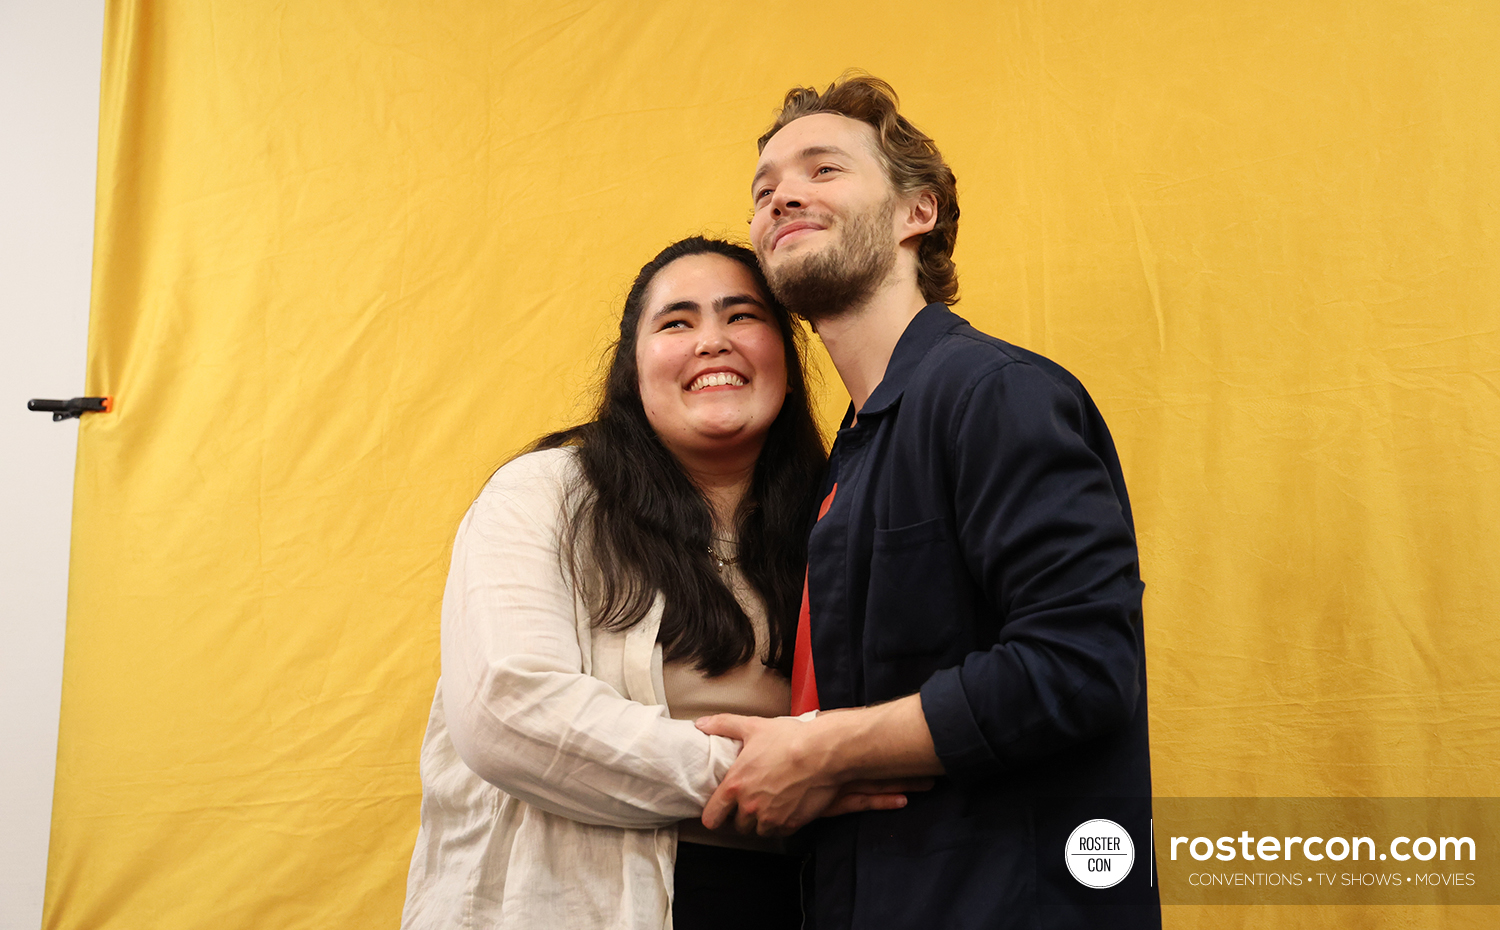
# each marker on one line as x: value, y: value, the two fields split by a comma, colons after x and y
x: 920, y: 216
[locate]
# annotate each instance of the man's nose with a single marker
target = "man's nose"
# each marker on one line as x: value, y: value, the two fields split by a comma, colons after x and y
x: 785, y: 198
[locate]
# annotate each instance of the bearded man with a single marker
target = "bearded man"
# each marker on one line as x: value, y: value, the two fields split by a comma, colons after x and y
x: 973, y: 604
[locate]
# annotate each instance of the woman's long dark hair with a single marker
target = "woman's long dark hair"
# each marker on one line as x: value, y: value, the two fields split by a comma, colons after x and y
x: 646, y: 528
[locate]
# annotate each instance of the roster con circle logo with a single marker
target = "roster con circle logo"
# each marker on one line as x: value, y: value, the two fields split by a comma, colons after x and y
x: 1099, y: 853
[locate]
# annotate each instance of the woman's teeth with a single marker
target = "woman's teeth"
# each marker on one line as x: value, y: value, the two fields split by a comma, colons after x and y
x: 716, y: 379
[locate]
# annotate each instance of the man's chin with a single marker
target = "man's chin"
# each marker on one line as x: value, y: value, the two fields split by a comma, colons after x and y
x: 822, y: 284
x: 816, y: 295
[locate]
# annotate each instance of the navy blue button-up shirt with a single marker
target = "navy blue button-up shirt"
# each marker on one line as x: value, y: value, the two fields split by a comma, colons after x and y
x: 980, y: 550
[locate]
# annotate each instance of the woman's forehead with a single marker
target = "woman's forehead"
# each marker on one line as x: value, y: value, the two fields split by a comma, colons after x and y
x: 702, y: 279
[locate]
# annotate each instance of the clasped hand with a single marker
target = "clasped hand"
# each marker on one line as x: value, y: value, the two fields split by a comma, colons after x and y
x: 785, y: 777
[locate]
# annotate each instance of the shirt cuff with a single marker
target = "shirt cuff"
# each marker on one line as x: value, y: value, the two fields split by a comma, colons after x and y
x: 956, y: 737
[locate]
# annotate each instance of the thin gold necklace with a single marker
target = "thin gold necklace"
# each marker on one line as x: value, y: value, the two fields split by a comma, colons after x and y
x: 721, y: 559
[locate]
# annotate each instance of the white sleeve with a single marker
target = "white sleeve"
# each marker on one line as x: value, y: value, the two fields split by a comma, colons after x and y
x: 521, y: 711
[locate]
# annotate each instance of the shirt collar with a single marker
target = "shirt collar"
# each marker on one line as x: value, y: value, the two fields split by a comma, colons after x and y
x: 931, y: 322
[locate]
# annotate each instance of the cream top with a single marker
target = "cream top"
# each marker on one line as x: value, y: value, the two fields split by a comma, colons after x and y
x: 553, y: 777
x: 751, y: 689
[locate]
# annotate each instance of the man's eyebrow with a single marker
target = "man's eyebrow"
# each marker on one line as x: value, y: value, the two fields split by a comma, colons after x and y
x: 822, y: 150
x: 811, y: 151
x: 759, y: 173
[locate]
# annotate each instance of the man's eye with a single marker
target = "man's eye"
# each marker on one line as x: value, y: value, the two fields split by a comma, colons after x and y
x: 762, y: 194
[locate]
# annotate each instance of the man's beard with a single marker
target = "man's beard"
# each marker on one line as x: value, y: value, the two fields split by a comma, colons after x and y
x: 830, y: 283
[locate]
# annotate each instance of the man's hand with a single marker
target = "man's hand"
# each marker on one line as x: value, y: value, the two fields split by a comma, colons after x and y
x: 790, y: 771
x: 775, y: 786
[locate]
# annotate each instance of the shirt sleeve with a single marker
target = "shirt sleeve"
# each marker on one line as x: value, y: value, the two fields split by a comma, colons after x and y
x: 1046, y: 532
x: 521, y: 710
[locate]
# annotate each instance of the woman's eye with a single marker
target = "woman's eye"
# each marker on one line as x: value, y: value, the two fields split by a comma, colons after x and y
x: 825, y: 168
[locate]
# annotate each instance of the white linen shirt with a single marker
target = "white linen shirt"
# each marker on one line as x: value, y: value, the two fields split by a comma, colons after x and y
x: 552, y: 776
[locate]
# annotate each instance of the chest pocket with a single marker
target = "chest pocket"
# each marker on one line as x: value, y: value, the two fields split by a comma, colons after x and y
x: 920, y: 596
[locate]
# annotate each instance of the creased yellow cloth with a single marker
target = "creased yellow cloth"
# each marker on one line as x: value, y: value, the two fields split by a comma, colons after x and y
x: 350, y: 256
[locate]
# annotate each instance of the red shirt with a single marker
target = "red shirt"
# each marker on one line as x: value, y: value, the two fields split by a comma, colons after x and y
x: 804, y: 681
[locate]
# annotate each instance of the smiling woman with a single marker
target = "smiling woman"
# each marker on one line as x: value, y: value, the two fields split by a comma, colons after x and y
x: 713, y: 372
x: 620, y: 579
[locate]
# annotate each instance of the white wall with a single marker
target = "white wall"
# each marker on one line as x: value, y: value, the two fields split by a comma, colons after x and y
x: 49, y: 120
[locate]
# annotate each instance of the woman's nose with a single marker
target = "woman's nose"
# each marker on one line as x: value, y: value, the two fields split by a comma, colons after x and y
x: 712, y: 340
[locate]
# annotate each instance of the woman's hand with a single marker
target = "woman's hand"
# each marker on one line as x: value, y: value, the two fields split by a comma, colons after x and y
x: 875, y: 794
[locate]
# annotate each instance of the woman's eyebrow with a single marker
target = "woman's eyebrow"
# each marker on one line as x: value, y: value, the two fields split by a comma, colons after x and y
x: 734, y: 300
x: 720, y: 303
x: 676, y: 306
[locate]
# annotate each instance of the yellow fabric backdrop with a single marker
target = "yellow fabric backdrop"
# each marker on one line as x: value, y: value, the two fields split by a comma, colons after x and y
x: 348, y: 259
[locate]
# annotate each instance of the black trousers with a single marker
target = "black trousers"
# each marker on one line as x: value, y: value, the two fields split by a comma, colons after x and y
x: 731, y: 889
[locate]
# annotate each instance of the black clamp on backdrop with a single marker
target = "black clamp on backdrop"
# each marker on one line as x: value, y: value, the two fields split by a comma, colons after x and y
x: 67, y: 409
